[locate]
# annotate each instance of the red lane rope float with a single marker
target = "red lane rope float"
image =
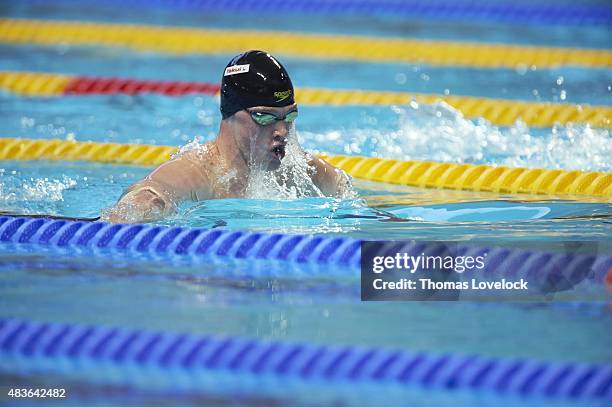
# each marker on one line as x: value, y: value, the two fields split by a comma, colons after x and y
x: 608, y: 280
x: 84, y: 85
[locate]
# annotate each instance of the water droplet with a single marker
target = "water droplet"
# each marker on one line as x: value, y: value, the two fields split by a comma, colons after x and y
x: 521, y: 69
x: 27, y: 122
x: 62, y: 48
x: 400, y: 78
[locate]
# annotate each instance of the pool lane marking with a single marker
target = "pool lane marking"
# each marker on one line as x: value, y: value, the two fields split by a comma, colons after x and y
x: 424, y: 174
x: 55, y: 149
x: 548, y: 270
x: 35, y: 83
x: 219, y: 364
x: 187, y: 40
x: 499, y: 112
x: 504, y: 11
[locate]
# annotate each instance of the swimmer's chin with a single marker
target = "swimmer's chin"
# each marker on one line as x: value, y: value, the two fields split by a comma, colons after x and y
x: 273, y: 165
x: 270, y: 162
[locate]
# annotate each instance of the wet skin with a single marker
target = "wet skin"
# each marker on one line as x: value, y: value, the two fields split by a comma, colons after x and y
x: 220, y: 168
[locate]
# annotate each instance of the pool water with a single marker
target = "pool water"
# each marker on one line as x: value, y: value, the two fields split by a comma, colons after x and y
x: 379, y: 212
x: 224, y: 297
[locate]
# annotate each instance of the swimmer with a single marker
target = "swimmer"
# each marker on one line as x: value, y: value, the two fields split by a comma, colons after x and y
x: 258, y: 110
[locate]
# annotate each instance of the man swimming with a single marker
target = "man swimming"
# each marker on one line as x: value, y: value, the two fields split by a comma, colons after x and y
x: 258, y: 110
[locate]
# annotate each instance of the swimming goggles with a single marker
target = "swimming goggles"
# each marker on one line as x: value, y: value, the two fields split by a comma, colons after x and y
x: 263, y: 119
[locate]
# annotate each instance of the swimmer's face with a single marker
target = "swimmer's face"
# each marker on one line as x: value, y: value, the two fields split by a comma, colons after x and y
x: 265, y: 131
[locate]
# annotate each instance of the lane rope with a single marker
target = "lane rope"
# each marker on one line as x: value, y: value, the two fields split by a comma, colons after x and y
x: 184, y: 40
x: 190, y: 360
x: 301, y: 249
x: 498, y: 111
x: 546, y: 272
x: 138, y: 154
x: 473, y: 177
x: 461, y: 10
x: 424, y: 174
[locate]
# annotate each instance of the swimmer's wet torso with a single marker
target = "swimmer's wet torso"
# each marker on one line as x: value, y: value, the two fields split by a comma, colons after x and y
x: 256, y: 140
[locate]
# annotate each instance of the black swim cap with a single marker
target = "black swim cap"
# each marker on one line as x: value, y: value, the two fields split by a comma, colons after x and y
x: 254, y: 78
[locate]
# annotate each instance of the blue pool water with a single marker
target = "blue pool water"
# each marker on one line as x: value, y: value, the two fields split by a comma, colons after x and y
x: 162, y: 292
x: 380, y: 212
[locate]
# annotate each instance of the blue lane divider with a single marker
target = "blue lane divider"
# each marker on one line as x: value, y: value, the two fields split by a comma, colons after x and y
x: 554, y: 271
x: 467, y: 10
x: 342, y: 252
x: 28, y: 346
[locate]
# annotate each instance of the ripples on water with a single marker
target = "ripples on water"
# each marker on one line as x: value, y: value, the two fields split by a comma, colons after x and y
x: 379, y: 210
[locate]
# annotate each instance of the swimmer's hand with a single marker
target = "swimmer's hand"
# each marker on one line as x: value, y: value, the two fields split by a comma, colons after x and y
x: 344, y: 186
x: 140, y: 204
x: 330, y: 180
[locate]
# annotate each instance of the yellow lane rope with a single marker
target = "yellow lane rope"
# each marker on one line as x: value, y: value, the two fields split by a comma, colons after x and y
x: 415, y: 173
x: 475, y: 177
x: 34, y: 83
x: 139, y: 154
x: 498, y: 111
x: 183, y: 40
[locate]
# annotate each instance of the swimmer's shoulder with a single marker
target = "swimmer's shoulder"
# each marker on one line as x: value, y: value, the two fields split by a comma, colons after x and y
x: 185, y: 175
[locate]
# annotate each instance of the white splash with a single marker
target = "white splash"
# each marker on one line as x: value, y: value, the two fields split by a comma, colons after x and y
x: 291, y: 180
x: 37, y: 190
x: 439, y: 132
x: 194, y: 145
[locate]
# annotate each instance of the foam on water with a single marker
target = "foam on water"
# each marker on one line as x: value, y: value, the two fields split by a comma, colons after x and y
x: 33, y: 189
x: 439, y: 132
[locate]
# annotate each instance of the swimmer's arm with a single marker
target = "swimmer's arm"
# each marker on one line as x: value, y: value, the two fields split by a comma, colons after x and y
x: 142, y: 202
x: 158, y: 195
x: 330, y: 180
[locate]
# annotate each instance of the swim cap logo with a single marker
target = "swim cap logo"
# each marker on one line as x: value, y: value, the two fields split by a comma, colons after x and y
x: 280, y: 96
x: 233, y: 70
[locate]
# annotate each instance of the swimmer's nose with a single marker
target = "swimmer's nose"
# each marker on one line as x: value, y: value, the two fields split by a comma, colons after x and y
x: 281, y: 129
